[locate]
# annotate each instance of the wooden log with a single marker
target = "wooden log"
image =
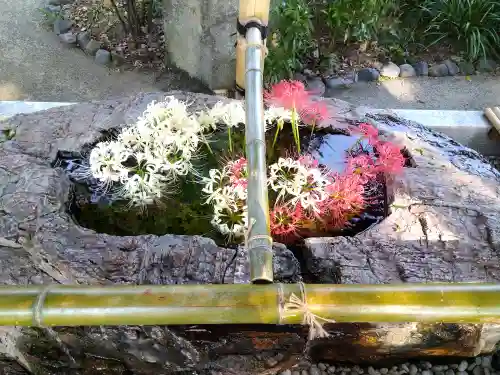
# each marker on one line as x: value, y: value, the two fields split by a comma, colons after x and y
x: 444, y: 226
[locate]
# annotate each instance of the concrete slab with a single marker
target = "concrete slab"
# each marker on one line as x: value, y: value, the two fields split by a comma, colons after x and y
x: 469, y: 128
x: 11, y: 107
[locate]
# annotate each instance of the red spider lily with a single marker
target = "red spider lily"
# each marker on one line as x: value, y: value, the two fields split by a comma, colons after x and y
x: 390, y: 160
x: 362, y: 166
x: 308, y: 161
x: 313, y: 112
x: 238, y: 172
x: 286, y: 222
x: 287, y: 94
x: 369, y: 132
x: 345, y: 200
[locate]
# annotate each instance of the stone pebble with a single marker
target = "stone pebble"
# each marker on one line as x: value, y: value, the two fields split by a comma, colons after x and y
x: 390, y: 70
x: 486, y: 362
x: 463, y: 366
x: 474, y: 366
x: 406, y: 71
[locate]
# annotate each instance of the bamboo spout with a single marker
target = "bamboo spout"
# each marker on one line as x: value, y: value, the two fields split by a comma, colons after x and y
x: 259, y: 241
x: 253, y: 17
x: 59, y: 305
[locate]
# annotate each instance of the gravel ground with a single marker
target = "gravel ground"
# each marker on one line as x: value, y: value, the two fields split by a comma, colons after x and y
x: 425, y: 93
x: 471, y: 366
x: 35, y: 65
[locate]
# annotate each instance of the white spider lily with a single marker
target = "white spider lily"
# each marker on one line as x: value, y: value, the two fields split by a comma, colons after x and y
x: 172, y: 169
x: 230, y: 220
x: 142, y: 190
x: 159, y: 148
x: 213, y: 182
x: 231, y: 114
x: 159, y: 114
x: 207, y: 121
x: 287, y: 176
x: 304, y: 185
x: 277, y: 114
x: 106, y: 160
x: 130, y: 138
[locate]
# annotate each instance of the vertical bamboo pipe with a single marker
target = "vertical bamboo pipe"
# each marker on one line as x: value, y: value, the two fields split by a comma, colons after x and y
x: 249, y: 77
x: 259, y: 240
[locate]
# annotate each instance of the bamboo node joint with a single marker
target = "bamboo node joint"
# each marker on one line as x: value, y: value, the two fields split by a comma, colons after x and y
x: 38, y: 306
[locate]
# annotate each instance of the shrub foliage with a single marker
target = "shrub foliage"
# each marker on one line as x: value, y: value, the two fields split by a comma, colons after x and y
x: 299, y: 27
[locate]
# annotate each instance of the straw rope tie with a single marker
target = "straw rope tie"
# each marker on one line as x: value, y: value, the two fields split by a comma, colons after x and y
x: 296, y: 304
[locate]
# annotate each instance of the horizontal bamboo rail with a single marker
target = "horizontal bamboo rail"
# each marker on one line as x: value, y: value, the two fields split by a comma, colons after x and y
x: 246, y: 304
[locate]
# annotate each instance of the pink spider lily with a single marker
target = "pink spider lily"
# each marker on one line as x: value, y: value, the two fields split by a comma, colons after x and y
x: 291, y: 95
x: 345, y: 199
x: 390, y: 160
x: 370, y: 132
x: 313, y: 112
x: 286, y: 222
x: 287, y: 94
x: 362, y: 166
x: 238, y: 172
x: 308, y: 161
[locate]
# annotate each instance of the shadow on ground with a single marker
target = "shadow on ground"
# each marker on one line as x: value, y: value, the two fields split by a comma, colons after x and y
x: 456, y: 93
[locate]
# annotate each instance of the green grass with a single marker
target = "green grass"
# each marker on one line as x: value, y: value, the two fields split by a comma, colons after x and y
x: 471, y: 26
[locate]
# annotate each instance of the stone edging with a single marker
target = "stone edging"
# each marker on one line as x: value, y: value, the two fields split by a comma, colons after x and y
x: 63, y: 28
x: 390, y: 70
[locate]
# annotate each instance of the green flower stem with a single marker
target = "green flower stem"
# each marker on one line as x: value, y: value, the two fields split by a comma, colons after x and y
x: 313, y: 126
x: 295, y: 129
x: 278, y: 129
x: 206, y: 142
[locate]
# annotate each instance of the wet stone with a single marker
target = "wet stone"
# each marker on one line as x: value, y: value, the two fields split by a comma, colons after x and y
x: 463, y: 366
x: 486, y: 361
